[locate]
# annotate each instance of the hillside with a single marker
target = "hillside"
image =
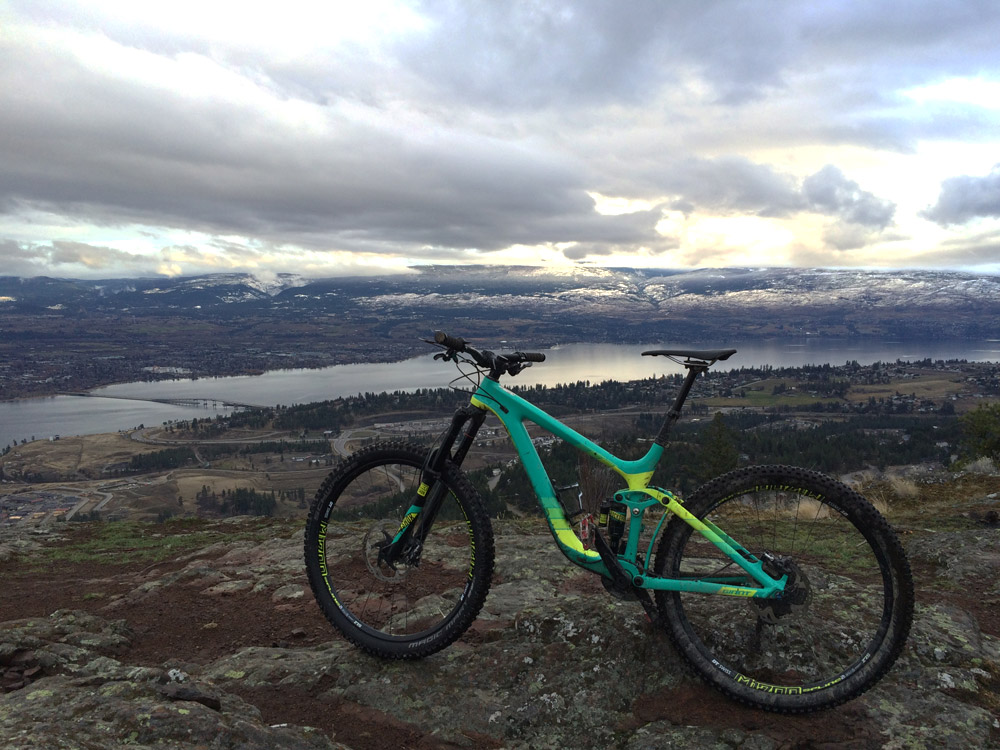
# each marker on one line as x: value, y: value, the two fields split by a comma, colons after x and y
x: 65, y: 334
x: 203, y: 633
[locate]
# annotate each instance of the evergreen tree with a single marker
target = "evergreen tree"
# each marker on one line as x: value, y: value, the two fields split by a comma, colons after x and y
x: 981, y: 432
x: 718, y: 451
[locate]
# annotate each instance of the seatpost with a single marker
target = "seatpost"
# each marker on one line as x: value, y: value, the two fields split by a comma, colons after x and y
x: 694, y: 370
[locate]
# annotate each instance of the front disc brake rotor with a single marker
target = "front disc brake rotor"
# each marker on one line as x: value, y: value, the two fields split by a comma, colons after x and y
x: 376, y: 538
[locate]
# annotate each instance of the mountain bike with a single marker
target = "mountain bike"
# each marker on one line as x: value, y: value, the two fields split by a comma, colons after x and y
x: 782, y: 587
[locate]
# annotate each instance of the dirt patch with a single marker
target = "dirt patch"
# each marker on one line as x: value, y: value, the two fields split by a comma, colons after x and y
x: 74, y: 458
x: 357, y: 726
x: 182, y: 626
x: 844, y: 727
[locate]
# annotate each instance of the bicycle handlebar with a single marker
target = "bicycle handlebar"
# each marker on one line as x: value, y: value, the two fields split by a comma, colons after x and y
x: 452, y: 342
x: 497, y: 364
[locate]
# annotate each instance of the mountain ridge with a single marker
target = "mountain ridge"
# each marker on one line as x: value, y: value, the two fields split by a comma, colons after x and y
x: 760, y: 286
x: 60, y: 335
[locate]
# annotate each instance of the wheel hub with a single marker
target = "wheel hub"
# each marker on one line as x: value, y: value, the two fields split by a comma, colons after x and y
x: 795, y: 600
x: 376, y: 538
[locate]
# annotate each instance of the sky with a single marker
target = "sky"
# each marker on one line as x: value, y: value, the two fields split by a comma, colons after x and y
x: 333, y: 138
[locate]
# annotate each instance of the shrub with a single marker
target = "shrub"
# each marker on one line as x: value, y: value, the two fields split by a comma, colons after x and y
x: 981, y: 432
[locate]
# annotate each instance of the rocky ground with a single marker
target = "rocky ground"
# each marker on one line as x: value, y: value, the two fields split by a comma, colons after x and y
x: 204, y: 634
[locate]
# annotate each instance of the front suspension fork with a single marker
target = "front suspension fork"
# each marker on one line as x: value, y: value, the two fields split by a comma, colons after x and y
x: 408, y: 543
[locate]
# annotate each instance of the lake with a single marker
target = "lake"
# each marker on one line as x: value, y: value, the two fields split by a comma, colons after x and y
x: 128, y: 405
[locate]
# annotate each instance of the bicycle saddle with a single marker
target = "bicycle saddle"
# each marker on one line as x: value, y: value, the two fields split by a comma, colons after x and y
x: 708, y: 355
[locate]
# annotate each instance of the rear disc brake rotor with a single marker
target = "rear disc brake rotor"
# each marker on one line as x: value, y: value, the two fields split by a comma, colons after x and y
x: 795, y: 601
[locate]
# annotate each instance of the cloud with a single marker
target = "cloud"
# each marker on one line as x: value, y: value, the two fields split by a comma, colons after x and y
x: 458, y: 130
x: 657, y: 247
x: 729, y: 185
x: 828, y: 191
x: 965, y: 198
x: 981, y: 249
x: 66, y: 258
x: 210, y: 255
x: 19, y: 260
x: 841, y: 236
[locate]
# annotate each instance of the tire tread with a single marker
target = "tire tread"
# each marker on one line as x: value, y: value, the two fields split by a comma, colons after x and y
x: 703, y: 500
x: 467, y: 495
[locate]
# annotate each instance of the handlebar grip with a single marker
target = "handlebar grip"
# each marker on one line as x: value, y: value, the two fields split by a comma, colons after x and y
x: 531, y: 356
x: 452, y: 342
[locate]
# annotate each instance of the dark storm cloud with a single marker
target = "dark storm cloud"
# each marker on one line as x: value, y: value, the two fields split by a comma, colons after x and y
x: 528, y: 54
x: 114, y: 153
x: 965, y: 198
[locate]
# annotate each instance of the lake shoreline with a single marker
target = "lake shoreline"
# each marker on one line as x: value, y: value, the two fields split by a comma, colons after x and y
x: 804, y: 340
x: 124, y: 406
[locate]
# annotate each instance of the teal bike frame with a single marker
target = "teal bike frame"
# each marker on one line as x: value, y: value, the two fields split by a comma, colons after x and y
x: 514, y: 412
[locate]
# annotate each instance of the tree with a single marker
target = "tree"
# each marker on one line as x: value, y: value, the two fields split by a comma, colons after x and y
x: 718, y: 452
x: 981, y: 432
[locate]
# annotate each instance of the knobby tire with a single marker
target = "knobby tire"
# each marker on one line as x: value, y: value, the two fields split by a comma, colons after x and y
x: 409, y: 611
x: 846, y: 613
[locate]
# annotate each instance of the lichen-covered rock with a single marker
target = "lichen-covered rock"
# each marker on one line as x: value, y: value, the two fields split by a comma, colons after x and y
x: 62, y: 642
x: 962, y: 556
x: 66, y: 712
x: 303, y: 668
x: 81, y: 697
x: 274, y: 565
x: 552, y: 661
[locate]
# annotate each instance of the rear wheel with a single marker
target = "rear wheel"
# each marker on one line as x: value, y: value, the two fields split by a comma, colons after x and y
x: 848, y: 601
x: 413, y: 607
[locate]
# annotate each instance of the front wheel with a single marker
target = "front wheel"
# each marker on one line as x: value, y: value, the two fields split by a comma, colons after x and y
x: 426, y: 599
x: 848, y: 601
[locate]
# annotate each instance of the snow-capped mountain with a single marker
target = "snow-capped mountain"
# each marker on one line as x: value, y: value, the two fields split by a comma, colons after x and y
x: 571, y: 302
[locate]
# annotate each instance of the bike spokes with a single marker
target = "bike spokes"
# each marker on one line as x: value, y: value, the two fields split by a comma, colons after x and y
x: 391, y: 590
x: 842, y: 616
